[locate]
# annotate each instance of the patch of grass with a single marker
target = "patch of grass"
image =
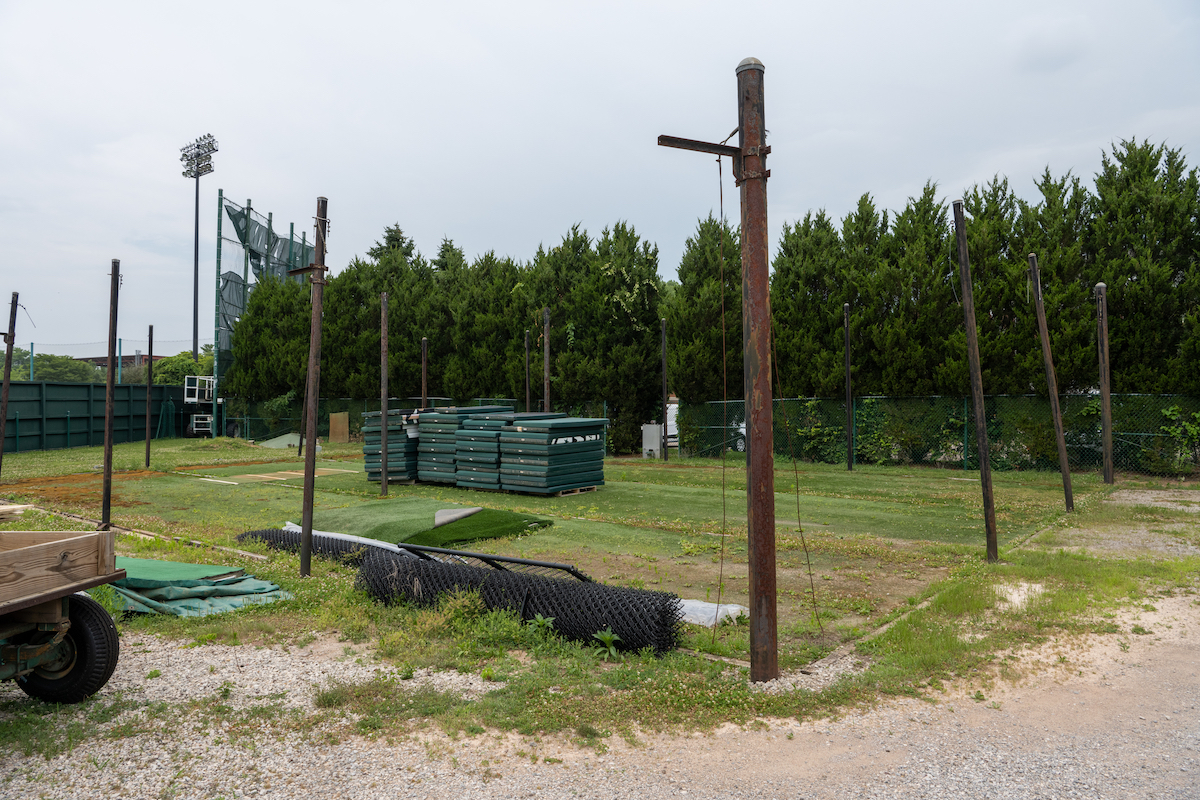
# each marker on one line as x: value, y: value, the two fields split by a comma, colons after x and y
x: 31, y: 727
x: 382, y: 704
x: 886, y: 539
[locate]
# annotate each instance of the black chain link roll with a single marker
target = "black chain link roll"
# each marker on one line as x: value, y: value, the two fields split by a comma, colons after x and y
x: 642, y: 618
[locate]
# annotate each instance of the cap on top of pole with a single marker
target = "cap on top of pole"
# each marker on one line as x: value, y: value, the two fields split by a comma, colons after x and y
x: 750, y: 63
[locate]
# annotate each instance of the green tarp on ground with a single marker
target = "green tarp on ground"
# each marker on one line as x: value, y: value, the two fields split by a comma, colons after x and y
x: 189, y: 590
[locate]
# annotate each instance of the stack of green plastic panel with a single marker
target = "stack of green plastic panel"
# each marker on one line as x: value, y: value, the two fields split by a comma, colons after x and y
x: 402, y: 444
x: 545, y: 456
x: 478, y: 452
x: 438, y: 441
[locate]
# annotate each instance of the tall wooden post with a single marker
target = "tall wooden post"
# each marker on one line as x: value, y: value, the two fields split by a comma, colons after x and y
x: 981, y: 437
x: 1105, y: 380
x: 109, y: 392
x: 528, y: 407
x: 664, y: 371
x: 10, y: 339
x: 546, y: 358
x: 424, y: 372
x: 150, y: 391
x: 383, y: 395
x: 849, y: 396
x: 1064, y: 465
x: 313, y: 391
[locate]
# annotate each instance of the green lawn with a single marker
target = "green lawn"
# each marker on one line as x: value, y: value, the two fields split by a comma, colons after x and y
x: 873, y: 543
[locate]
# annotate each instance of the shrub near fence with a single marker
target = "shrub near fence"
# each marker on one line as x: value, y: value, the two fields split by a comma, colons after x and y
x: 1155, y: 434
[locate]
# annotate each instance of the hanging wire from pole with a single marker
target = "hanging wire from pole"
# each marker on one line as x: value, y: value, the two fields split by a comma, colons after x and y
x: 724, y: 392
x: 795, y: 478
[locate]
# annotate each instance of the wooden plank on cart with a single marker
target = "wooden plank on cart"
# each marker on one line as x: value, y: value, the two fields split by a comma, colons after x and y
x: 38, y: 565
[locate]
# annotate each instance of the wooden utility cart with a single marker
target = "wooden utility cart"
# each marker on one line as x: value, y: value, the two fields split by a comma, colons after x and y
x: 58, y: 645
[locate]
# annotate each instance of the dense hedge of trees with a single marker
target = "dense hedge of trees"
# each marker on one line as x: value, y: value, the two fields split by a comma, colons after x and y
x: 1138, y: 230
x: 603, y: 295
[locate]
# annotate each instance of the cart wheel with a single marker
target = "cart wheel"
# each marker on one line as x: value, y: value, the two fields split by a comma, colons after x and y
x: 739, y: 443
x: 88, y: 656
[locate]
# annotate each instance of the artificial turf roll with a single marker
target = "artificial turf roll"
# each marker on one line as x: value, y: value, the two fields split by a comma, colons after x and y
x: 641, y: 618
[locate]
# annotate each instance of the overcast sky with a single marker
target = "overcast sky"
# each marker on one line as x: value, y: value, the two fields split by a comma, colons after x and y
x: 500, y: 125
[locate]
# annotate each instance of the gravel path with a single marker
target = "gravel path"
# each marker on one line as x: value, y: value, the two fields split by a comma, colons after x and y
x: 1090, y: 721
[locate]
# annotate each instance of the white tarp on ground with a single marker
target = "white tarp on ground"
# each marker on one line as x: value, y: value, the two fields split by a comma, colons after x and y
x: 699, y: 612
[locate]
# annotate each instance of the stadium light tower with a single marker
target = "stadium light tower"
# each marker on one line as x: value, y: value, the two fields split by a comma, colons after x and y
x: 197, y: 161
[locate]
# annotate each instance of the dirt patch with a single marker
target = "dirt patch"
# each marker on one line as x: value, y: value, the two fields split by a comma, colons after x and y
x: 203, y: 467
x: 1169, y: 540
x: 1176, y: 500
x: 1019, y: 594
x: 1136, y: 533
x: 81, y: 490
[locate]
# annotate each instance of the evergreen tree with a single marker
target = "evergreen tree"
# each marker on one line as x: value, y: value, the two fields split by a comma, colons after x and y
x: 912, y: 329
x: 694, y: 356
x: 807, y: 292
x: 1054, y: 229
x: 1145, y: 241
x: 1003, y: 305
x: 270, y: 342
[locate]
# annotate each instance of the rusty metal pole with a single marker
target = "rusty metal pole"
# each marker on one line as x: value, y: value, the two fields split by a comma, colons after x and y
x: 981, y: 437
x: 317, y: 277
x: 527, y: 397
x: 756, y: 343
x: 1105, y: 380
x: 10, y: 339
x: 849, y: 396
x: 424, y: 372
x: 383, y: 395
x: 1064, y: 465
x: 109, y: 392
x: 149, y: 392
x: 546, y: 357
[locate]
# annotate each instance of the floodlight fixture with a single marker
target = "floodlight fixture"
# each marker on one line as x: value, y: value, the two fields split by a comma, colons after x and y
x: 197, y: 161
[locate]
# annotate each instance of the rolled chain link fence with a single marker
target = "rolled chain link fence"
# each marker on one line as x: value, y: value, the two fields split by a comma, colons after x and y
x: 1152, y: 434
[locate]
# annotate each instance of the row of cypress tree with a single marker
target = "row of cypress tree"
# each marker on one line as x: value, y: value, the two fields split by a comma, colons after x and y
x: 1137, y: 230
x: 603, y: 295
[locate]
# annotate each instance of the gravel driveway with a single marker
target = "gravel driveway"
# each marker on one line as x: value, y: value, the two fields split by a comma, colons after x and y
x: 1090, y: 721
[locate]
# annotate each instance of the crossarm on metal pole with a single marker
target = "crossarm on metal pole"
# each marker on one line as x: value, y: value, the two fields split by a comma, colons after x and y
x: 702, y: 147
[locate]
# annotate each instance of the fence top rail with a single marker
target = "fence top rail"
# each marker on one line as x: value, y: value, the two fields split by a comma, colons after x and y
x: 842, y: 398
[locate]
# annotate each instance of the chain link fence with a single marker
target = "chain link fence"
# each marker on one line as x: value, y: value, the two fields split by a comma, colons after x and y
x: 1153, y: 434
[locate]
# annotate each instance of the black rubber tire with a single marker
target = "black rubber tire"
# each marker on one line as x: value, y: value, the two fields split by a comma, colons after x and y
x: 233, y: 430
x: 739, y: 444
x: 91, y: 658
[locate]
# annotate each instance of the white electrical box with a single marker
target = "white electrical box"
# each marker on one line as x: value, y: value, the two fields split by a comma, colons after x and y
x: 652, y: 441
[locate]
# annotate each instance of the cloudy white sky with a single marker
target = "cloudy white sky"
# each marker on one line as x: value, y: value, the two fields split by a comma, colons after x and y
x: 500, y: 125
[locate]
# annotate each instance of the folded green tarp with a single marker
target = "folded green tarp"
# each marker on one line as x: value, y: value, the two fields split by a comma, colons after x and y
x: 189, y: 590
